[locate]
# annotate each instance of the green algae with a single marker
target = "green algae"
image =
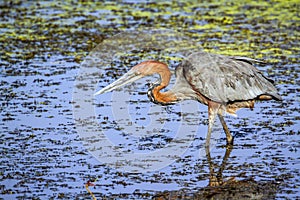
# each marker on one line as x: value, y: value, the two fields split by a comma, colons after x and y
x: 32, y: 27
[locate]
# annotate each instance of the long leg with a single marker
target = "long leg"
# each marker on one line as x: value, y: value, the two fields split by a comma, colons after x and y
x: 213, y: 181
x: 224, y: 162
x: 212, y: 113
x: 226, y: 130
x: 217, y: 179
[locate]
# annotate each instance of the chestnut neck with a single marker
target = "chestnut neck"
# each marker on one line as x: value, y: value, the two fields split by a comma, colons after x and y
x: 154, y: 93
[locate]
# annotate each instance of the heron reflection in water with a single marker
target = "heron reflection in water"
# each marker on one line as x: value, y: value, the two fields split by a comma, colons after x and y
x: 223, y: 83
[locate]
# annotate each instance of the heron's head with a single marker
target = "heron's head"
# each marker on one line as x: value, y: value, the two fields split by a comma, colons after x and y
x: 141, y: 70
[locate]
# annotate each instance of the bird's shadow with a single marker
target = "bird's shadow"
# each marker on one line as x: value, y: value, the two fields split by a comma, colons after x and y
x: 220, y: 188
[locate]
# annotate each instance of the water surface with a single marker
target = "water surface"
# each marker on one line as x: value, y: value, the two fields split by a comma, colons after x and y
x: 43, y: 46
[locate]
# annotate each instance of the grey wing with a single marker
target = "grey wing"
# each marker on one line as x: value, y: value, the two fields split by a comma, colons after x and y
x: 225, y: 79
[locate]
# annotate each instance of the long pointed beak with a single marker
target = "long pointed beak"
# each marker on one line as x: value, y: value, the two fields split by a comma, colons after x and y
x: 129, y: 77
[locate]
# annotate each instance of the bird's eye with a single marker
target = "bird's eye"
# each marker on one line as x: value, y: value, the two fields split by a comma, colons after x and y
x: 149, y: 84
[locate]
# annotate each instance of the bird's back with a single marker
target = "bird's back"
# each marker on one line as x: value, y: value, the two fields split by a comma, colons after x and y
x: 226, y: 79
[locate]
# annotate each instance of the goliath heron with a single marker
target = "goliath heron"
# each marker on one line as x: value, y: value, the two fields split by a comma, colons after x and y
x: 223, y: 83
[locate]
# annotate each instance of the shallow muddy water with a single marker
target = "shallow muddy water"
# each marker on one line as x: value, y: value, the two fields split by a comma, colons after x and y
x: 44, y: 155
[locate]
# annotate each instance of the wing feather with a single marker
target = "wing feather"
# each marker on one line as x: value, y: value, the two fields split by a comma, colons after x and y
x: 225, y: 79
